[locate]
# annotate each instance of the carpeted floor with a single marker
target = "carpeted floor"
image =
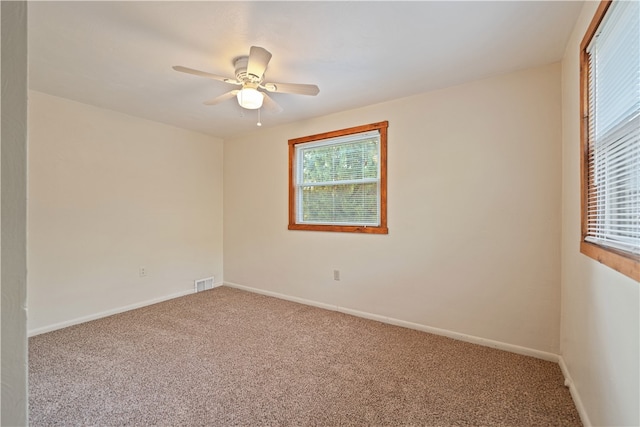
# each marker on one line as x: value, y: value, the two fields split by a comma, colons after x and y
x: 228, y: 357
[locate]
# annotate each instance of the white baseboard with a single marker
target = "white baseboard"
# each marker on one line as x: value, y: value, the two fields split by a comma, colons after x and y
x: 282, y: 296
x: 384, y: 319
x: 83, y: 319
x: 551, y: 357
x: 512, y: 348
x: 568, y: 381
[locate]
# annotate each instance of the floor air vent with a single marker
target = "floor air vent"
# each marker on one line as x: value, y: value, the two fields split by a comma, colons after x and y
x: 203, y: 284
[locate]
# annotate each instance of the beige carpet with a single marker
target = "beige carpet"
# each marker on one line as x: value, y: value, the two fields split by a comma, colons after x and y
x: 227, y: 357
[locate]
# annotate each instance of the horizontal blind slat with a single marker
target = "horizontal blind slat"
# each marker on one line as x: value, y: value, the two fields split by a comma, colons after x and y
x: 613, y: 154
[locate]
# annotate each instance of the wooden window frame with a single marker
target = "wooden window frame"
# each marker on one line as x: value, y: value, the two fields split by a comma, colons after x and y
x: 379, y: 229
x: 621, y: 261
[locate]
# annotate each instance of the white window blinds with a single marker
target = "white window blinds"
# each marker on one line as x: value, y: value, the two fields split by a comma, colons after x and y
x: 338, y: 180
x: 613, y: 193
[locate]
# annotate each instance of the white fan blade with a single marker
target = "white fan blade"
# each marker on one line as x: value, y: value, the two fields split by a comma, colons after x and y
x: 258, y: 60
x: 222, y: 98
x: 270, y: 105
x: 205, y: 74
x: 298, y: 89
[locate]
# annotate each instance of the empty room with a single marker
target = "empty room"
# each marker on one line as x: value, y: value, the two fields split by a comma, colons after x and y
x: 320, y: 213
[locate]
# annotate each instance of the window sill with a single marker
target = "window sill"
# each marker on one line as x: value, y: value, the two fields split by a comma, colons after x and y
x: 619, y: 261
x: 340, y: 228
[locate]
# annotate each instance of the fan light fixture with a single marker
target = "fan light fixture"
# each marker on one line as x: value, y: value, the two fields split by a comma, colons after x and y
x: 250, y: 98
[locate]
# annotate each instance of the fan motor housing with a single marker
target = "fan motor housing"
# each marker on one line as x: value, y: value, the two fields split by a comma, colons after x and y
x: 240, y: 65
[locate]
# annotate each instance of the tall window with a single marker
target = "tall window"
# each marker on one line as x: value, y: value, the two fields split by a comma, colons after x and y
x: 338, y: 180
x: 610, y: 134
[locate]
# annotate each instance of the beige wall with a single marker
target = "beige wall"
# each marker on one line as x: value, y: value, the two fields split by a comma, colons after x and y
x: 474, y: 214
x: 13, y: 195
x: 600, y: 307
x: 109, y: 193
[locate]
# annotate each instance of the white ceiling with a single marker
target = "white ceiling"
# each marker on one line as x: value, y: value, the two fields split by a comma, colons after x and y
x: 118, y: 55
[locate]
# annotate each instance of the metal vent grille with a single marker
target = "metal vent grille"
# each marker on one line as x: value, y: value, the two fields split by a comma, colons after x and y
x: 203, y: 284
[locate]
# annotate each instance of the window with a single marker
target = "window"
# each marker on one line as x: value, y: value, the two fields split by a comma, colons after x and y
x: 338, y: 180
x: 610, y: 137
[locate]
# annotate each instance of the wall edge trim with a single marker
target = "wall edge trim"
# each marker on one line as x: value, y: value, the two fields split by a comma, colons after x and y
x: 568, y: 382
x: 282, y: 296
x: 111, y: 312
x: 512, y: 348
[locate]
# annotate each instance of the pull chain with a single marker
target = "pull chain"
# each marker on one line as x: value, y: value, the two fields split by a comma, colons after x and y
x: 259, y: 122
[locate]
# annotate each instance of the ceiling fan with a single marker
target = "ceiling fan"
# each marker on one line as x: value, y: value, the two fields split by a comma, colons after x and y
x: 250, y: 76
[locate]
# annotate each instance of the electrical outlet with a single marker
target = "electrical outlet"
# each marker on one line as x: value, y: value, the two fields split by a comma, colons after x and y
x: 142, y: 271
x: 336, y: 275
